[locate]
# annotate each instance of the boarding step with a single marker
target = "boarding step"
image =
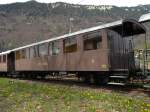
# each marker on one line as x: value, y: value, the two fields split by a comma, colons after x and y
x: 124, y: 74
x: 118, y: 79
x: 115, y: 83
x: 118, y: 76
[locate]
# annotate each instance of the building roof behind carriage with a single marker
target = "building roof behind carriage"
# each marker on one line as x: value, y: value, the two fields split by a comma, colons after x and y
x: 143, y: 18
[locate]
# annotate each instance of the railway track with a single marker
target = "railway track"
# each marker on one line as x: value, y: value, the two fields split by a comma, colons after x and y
x: 75, y: 83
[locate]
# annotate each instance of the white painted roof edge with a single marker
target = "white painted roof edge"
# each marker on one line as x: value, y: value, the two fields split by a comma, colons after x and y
x: 107, y: 25
x: 144, y: 17
x: 6, y: 52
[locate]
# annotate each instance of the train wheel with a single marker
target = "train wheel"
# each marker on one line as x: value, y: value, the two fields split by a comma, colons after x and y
x: 84, y: 79
x: 88, y: 79
x: 28, y: 76
x: 2, y: 75
x: 33, y: 76
x: 91, y: 79
x: 102, y: 80
x: 22, y: 75
x: 42, y: 76
x: 96, y: 80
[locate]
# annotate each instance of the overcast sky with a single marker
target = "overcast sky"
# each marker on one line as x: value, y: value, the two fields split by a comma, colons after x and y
x: 90, y: 2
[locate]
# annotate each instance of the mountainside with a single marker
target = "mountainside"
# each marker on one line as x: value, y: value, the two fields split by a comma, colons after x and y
x: 24, y: 23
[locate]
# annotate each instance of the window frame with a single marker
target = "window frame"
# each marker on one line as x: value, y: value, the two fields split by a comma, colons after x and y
x: 71, y: 41
x: 52, y: 46
x: 23, y: 54
x: 94, y: 40
x: 46, y: 46
x: 17, y: 55
x: 1, y: 59
x: 4, y: 58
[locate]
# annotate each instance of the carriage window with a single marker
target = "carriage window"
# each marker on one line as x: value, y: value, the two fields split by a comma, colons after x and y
x: 31, y: 52
x: 43, y: 49
x: 28, y: 53
x: 4, y: 58
x: 54, y: 48
x: 92, y: 41
x: 36, y: 51
x: 18, y: 55
x: 23, y: 54
x: 70, y: 45
x: 0, y: 59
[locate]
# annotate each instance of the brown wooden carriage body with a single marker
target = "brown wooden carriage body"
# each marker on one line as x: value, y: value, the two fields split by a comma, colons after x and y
x: 100, y: 50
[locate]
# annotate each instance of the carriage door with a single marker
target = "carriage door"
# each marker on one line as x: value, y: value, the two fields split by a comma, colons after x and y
x: 131, y: 61
x: 11, y: 62
x: 70, y: 49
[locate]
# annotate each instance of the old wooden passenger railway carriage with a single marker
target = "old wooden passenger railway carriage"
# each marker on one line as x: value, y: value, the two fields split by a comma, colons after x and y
x: 94, y: 54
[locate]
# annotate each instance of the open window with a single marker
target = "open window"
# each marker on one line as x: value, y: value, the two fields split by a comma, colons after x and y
x: 4, y: 58
x: 18, y: 55
x: 70, y: 45
x: 54, y: 49
x: 36, y: 51
x: 31, y: 52
x: 27, y: 53
x: 92, y: 41
x: 1, y: 59
x: 23, y: 54
x: 43, y: 49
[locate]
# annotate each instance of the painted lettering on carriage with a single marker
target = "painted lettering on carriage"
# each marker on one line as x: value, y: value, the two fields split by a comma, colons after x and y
x: 93, y: 61
x: 43, y: 64
x: 104, y: 66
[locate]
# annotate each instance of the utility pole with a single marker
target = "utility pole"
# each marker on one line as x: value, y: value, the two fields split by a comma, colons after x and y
x: 70, y: 24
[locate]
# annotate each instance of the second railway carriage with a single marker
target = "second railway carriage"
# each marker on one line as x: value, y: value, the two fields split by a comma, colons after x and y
x: 94, y: 54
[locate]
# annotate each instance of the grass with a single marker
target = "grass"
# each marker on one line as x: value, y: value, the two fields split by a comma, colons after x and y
x: 23, y: 96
